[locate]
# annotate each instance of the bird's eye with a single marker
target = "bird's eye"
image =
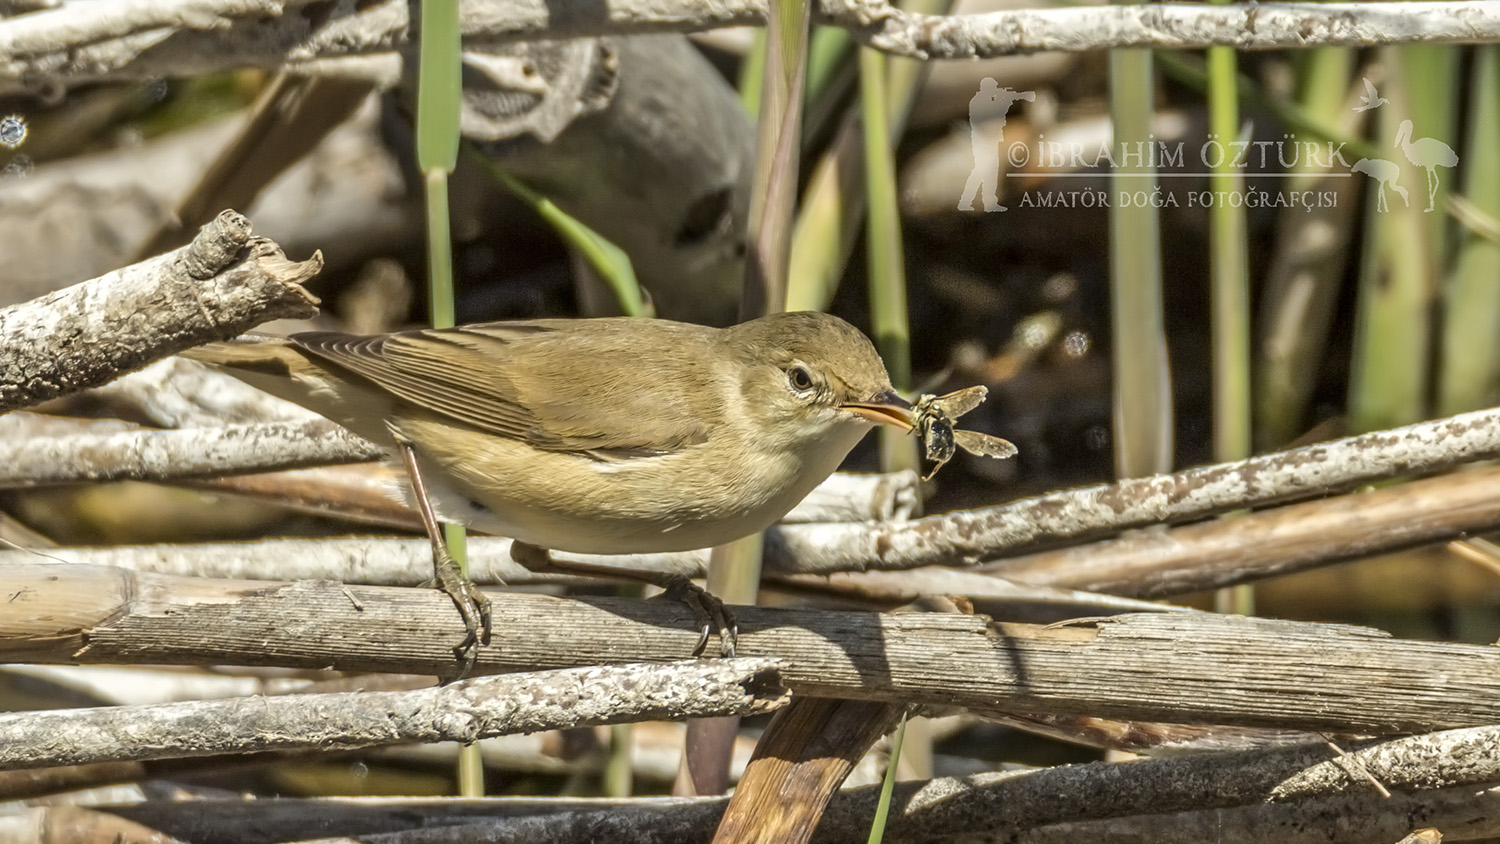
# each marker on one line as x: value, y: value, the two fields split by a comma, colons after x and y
x: 800, y: 379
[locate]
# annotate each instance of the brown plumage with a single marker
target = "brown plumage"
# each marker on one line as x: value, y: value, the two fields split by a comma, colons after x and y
x: 601, y: 435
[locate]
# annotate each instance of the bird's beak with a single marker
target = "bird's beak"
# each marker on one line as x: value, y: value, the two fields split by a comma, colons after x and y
x: 886, y: 409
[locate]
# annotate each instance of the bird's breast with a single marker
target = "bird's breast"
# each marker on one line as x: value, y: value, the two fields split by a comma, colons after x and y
x: 704, y: 495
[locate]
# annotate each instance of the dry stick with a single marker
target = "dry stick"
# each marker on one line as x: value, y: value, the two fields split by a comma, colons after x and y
x: 30, y: 461
x: 216, y: 287
x: 75, y: 824
x: 181, y: 393
x: 78, y: 24
x: 1273, y: 788
x: 1470, y: 810
x: 379, y: 561
x: 1155, y: 786
x: 1473, y: 811
x: 1279, y: 541
x: 50, y: 48
x: 1071, y: 516
x: 384, y: 561
x: 1174, y: 667
x: 463, y: 712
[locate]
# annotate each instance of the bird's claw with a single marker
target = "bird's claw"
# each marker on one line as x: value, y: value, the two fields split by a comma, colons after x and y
x: 473, y: 607
x: 708, y: 613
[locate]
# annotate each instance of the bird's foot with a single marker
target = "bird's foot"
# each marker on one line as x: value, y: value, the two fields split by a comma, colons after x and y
x: 709, y: 613
x: 473, y: 607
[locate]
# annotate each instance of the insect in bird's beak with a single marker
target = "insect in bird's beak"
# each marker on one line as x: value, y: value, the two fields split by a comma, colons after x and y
x: 887, y: 409
x: 932, y: 422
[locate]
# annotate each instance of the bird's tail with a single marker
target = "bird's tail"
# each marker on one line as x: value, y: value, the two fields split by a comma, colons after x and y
x: 259, y: 353
x: 277, y: 365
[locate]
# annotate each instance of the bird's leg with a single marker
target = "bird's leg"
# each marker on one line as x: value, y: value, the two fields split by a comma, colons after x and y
x: 473, y: 605
x: 708, y: 611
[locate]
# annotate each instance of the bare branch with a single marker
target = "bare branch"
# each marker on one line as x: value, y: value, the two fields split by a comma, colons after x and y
x: 466, y: 711
x: 55, y: 55
x: 216, y: 287
x: 1170, y: 26
x: 146, y: 454
x: 38, y: 450
x: 1170, y: 667
x: 79, y: 24
x: 383, y: 561
x: 1441, y: 779
x: 1272, y: 542
x: 1071, y: 516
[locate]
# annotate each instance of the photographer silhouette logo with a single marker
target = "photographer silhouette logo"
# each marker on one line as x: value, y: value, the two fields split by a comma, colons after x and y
x: 986, y: 174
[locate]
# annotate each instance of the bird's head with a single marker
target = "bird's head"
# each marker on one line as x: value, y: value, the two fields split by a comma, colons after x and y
x: 809, y: 376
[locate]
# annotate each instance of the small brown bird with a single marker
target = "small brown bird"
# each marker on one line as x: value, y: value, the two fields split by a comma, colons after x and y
x: 594, y: 436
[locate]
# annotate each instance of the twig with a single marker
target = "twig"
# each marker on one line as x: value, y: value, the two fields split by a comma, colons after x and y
x: 216, y: 287
x: 180, y: 393
x: 379, y: 561
x: 1356, y: 769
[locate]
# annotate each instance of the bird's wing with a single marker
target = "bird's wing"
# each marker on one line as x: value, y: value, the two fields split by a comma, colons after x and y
x: 513, y: 379
x: 1370, y: 93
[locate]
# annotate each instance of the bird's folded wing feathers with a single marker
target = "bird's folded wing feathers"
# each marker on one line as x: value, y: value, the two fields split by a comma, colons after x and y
x: 463, y: 374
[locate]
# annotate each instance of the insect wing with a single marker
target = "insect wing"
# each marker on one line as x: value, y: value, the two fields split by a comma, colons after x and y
x: 959, y: 402
x: 984, y: 445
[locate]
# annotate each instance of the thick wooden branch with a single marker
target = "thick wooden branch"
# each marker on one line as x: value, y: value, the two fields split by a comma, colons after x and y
x: 1170, y: 667
x: 465, y: 712
x: 216, y: 287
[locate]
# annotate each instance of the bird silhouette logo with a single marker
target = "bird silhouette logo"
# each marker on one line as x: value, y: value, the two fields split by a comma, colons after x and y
x: 1385, y: 173
x: 1429, y: 154
x: 1370, y: 99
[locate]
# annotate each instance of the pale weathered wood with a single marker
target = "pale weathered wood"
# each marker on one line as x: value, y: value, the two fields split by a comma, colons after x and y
x: 223, y: 283
x: 464, y: 712
x: 56, y: 54
x: 1227, y: 796
x: 1076, y: 515
x: 1170, y: 667
x: 1272, y: 542
x: 33, y: 452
